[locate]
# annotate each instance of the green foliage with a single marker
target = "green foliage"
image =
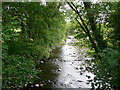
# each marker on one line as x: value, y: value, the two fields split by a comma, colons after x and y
x: 101, y: 23
x: 71, y: 28
x: 30, y: 32
x: 114, y: 21
x: 107, y: 69
x: 18, y: 72
x: 108, y: 64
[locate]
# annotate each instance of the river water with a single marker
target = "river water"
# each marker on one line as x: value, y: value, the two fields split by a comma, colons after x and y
x: 67, y: 67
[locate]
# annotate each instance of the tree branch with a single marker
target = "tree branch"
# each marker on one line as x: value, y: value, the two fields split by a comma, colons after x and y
x: 86, y: 30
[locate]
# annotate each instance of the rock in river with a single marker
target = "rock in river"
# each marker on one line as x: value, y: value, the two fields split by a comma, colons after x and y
x: 59, y: 69
x: 79, y: 81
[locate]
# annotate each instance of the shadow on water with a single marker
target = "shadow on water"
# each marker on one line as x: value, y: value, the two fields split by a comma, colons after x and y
x: 66, y: 68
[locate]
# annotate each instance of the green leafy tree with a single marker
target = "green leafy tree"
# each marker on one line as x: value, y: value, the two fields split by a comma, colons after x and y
x: 30, y: 32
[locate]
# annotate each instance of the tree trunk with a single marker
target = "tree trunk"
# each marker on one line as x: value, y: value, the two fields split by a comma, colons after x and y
x: 96, y: 31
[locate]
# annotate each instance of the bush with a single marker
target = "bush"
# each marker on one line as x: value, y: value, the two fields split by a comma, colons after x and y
x: 107, y: 69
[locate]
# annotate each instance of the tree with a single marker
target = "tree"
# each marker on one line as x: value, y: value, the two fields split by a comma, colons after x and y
x: 99, y: 22
x: 30, y: 32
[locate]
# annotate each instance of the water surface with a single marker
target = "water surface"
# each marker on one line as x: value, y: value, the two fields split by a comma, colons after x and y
x: 67, y: 67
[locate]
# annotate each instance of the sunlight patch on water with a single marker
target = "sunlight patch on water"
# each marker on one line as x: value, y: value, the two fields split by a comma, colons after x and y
x: 69, y: 75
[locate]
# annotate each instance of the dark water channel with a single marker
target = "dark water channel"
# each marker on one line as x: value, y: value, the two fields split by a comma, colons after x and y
x: 66, y: 68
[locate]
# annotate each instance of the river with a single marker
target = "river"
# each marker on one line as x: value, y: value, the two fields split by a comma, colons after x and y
x: 66, y: 68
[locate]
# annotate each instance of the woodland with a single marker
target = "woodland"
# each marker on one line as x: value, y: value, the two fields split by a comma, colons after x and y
x: 32, y: 30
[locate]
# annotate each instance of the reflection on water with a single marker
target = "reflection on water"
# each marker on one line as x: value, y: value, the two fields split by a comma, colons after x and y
x: 67, y: 68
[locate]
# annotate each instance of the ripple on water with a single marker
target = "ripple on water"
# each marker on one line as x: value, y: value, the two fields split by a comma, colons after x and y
x: 70, y: 67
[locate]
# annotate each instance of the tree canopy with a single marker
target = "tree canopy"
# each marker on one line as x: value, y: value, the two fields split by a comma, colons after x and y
x: 30, y: 32
x: 98, y: 24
